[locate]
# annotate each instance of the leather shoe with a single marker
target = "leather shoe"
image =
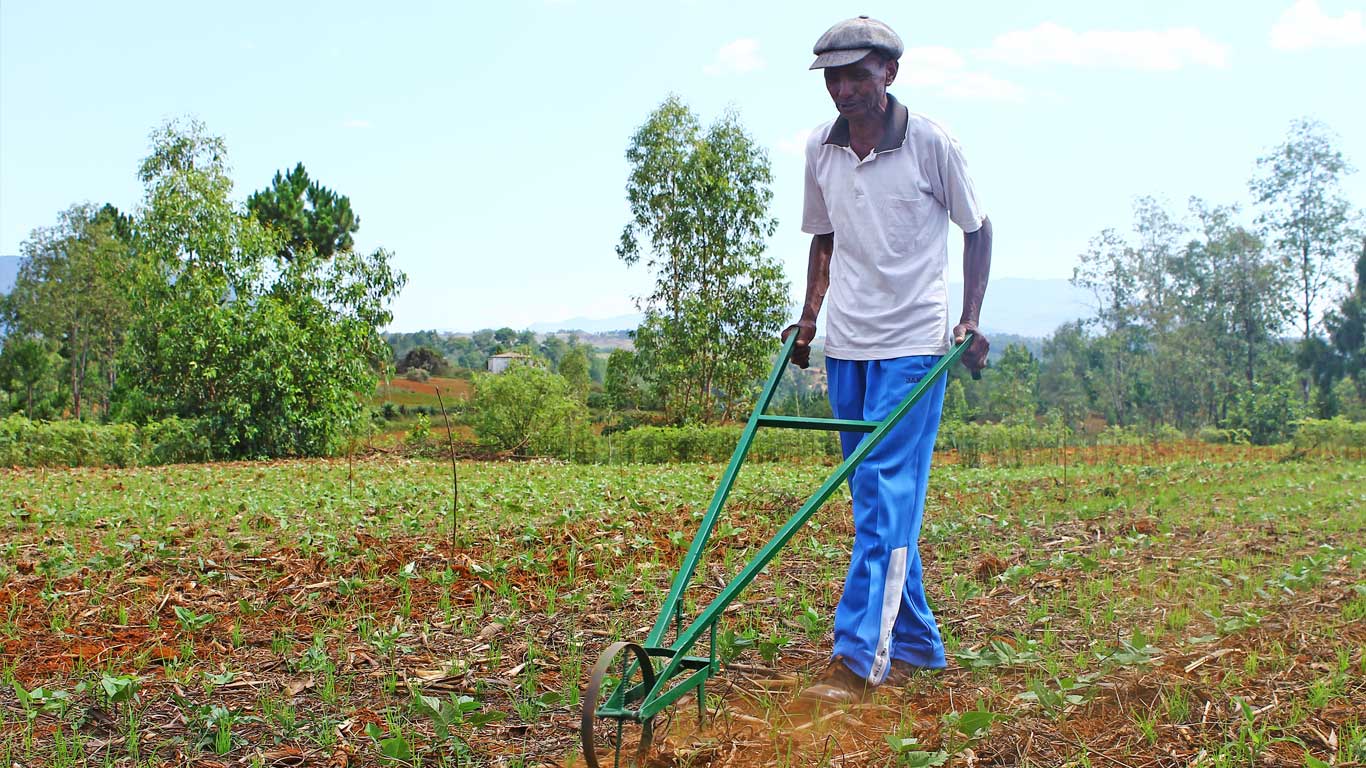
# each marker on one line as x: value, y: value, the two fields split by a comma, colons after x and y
x: 836, y: 685
x: 903, y: 673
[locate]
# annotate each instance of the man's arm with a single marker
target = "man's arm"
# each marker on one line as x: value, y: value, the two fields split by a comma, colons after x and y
x: 817, y: 282
x: 976, y: 269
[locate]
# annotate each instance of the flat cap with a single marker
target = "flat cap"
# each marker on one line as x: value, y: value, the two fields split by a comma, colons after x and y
x: 852, y: 39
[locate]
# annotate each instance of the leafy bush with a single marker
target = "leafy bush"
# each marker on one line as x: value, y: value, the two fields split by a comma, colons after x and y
x: 175, y: 441
x: 531, y: 412
x: 1336, y: 436
x: 972, y: 440
x: 1223, y: 436
x: 417, y: 374
x: 658, y: 445
x: 1268, y: 414
x: 25, y: 443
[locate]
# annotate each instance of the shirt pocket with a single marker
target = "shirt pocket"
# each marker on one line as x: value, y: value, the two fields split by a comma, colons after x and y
x: 904, y: 217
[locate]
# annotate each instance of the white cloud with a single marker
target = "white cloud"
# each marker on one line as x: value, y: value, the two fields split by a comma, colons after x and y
x: 1305, y: 25
x: 736, y: 57
x: 1142, y: 49
x: 355, y: 123
x: 945, y: 70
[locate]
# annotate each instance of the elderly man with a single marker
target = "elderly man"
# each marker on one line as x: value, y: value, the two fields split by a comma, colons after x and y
x: 882, y: 184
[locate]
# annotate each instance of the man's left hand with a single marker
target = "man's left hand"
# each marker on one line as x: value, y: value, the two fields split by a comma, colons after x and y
x: 976, y: 357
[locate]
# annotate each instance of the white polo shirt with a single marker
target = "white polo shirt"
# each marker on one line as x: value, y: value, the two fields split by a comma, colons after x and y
x: 890, y: 213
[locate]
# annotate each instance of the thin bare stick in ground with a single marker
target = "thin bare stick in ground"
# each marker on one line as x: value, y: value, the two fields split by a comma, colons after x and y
x: 455, y: 480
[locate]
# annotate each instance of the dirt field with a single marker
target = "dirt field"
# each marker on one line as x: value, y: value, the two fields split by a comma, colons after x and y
x: 1191, y: 606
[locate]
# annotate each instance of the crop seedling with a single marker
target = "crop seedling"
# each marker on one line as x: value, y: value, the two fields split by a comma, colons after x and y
x: 910, y: 755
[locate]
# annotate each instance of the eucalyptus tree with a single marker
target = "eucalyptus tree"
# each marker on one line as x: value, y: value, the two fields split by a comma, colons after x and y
x: 699, y: 200
x: 1307, y: 220
x: 72, y: 289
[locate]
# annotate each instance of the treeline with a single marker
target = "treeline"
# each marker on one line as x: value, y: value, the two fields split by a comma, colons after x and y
x: 1206, y: 317
x: 441, y: 354
x: 251, y: 327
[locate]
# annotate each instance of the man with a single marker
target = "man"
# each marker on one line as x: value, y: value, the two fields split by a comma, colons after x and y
x: 882, y: 184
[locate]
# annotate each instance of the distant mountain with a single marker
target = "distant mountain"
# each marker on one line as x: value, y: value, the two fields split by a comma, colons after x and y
x: 589, y: 324
x: 1026, y: 307
x: 9, y: 269
x: 1014, y: 305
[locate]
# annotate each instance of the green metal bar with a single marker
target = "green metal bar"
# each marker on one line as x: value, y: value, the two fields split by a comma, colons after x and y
x: 653, y: 706
x: 718, y: 500
x: 708, y: 617
x: 799, y: 422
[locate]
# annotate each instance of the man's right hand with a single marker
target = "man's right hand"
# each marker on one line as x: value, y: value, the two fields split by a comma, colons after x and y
x: 806, y: 333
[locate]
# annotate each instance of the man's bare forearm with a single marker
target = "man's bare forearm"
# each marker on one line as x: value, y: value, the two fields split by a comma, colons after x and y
x: 817, y: 275
x: 976, y: 270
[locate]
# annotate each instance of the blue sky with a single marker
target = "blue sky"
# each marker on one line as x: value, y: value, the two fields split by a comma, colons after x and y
x: 484, y: 142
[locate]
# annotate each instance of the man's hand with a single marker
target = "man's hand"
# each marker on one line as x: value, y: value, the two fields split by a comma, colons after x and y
x: 976, y: 357
x: 806, y: 333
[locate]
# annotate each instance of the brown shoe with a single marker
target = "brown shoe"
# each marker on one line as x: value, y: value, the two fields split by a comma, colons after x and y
x: 903, y: 673
x: 836, y: 685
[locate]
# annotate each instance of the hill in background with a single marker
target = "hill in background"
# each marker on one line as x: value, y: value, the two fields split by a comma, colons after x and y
x: 1015, y: 306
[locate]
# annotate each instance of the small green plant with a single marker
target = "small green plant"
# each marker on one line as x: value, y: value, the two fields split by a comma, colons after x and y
x: 999, y: 653
x: 730, y: 644
x: 910, y: 755
x: 191, y: 621
x: 391, y: 745
x: 454, y: 712
x: 963, y: 729
x: 119, y: 688
x: 42, y: 700
x: 1056, y: 700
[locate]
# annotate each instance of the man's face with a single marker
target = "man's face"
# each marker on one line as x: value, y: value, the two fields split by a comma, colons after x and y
x: 858, y: 89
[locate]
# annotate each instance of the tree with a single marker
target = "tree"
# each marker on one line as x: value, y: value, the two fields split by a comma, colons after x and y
x: 505, y: 339
x: 699, y: 217
x: 306, y: 214
x: 553, y: 349
x: 956, y: 408
x: 73, y: 289
x: 1240, y: 292
x: 1063, y: 373
x: 621, y: 385
x: 527, y: 410
x: 269, y: 351
x: 1342, y: 356
x: 1158, y: 247
x: 29, y: 366
x: 1110, y: 269
x: 1303, y: 211
x: 425, y: 358
x: 1013, y: 384
x: 574, y: 368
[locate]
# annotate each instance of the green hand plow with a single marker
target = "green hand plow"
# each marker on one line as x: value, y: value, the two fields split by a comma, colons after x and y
x: 634, y: 682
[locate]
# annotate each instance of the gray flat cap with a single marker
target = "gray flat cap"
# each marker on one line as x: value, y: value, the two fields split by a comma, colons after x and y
x: 852, y: 39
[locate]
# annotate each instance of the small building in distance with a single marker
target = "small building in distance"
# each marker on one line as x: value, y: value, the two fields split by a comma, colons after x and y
x: 500, y: 362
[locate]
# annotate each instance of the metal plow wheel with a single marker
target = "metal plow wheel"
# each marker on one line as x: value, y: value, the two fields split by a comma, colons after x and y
x: 635, y: 677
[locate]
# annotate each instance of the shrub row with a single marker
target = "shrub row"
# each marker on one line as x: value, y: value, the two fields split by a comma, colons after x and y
x: 1337, y: 436
x: 25, y: 443
x: 657, y: 445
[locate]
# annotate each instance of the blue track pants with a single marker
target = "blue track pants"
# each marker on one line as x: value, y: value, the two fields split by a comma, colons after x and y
x: 883, y: 614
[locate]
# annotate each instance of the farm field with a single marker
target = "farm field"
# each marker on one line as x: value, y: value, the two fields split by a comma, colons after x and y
x: 401, y: 391
x: 1209, y: 609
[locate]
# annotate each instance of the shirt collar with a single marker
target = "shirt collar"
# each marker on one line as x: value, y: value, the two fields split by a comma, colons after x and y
x: 893, y: 128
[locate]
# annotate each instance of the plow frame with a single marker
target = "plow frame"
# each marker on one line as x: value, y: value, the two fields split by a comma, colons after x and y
x: 679, y: 673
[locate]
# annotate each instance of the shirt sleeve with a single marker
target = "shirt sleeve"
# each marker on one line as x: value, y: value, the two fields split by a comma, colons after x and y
x: 815, y: 214
x: 956, y: 191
